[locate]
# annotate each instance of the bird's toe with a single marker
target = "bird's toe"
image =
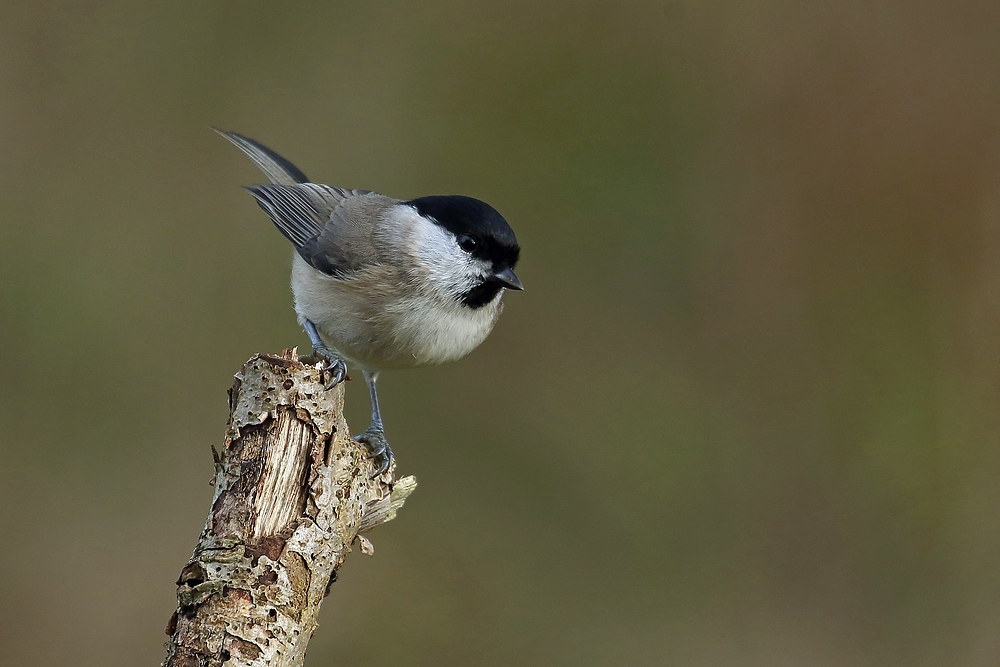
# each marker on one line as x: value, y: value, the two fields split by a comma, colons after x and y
x: 378, y: 448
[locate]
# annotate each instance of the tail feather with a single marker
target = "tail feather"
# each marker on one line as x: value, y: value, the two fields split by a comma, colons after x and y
x: 276, y: 168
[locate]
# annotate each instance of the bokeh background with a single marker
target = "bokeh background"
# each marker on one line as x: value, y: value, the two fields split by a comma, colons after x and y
x: 745, y: 412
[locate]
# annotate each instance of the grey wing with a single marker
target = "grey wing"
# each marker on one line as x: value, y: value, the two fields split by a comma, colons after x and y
x: 329, y: 227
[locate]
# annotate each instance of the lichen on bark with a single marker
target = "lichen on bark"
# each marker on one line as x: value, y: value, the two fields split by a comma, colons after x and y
x: 293, y: 491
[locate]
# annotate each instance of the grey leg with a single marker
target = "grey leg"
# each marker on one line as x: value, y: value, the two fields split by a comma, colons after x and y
x: 374, y: 436
x: 336, y: 369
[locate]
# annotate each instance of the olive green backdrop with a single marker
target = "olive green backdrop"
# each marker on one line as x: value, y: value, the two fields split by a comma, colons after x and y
x: 745, y: 412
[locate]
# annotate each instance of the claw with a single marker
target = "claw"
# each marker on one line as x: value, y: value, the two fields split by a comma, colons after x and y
x: 378, y: 449
x: 335, y: 370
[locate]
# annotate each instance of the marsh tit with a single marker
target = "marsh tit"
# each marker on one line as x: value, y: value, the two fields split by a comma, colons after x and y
x: 385, y: 283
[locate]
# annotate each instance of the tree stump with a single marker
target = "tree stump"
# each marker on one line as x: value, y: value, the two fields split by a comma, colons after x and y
x: 293, y: 492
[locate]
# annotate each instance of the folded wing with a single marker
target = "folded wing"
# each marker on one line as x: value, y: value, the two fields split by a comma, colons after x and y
x: 317, y: 222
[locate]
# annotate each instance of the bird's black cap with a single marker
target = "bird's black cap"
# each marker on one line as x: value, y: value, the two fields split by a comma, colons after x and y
x: 495, y: 240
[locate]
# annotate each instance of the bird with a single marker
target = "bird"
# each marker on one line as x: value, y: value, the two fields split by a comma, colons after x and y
x: 382, y: 283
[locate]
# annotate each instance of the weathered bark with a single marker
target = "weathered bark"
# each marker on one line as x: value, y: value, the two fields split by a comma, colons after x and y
x: 293, y: 491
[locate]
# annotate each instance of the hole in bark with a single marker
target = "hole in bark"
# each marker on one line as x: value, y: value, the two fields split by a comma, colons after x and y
x: 287, y: 384
x: 267, y: 578
x: 192, y: 575
x: 189, y: 611
x: 225, y: 655
x: 273, y: 614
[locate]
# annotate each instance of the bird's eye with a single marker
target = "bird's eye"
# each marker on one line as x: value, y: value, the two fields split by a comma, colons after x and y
x: 467, y: 243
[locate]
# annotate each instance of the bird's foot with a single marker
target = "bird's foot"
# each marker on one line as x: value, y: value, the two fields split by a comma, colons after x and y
x: 378, y: 447
x: 335, y: 370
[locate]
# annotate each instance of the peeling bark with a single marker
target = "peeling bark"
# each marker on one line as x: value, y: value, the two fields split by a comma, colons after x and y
x: 293, y: 491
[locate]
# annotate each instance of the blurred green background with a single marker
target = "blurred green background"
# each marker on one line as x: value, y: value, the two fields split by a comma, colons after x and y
x: 745, y: 412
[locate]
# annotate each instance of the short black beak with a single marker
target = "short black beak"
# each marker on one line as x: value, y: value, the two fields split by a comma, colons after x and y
x: 507, y: 279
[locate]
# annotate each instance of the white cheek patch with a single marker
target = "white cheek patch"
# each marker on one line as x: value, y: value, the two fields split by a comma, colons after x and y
x: 445, y: 264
